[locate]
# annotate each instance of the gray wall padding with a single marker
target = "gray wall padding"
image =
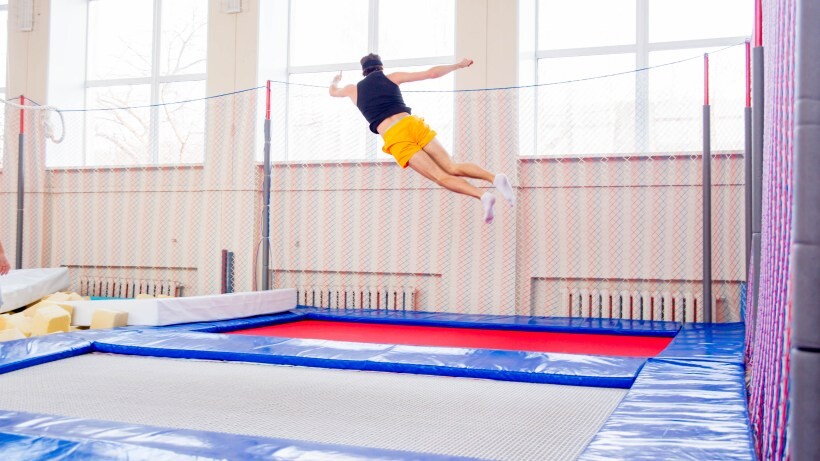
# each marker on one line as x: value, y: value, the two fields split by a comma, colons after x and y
x: 806, y: 296
x: 804, y: 441
x: 806, y: 265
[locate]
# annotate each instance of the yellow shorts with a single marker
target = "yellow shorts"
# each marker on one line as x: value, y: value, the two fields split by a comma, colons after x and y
x: 406, y: 137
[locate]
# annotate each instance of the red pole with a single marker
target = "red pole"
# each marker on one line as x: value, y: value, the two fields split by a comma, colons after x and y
x: 748, y: 74
x: 758, y: 23
x: 22, y: 114
x: 267, y: 102
x: 705, y: 79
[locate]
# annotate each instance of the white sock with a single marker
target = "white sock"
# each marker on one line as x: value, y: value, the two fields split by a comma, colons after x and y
x: 503, y: 185
x: 488, y: 200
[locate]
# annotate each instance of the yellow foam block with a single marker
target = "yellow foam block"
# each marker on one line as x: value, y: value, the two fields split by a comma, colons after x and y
x: 58, y: 297
x: 11, y: 334
x: 21, y: 322
x: 104, y: 318
x: 50, y: 319
x: 66, y: 307
x: 74, y: 297
x: 144, y: 296
x: 31, y: 311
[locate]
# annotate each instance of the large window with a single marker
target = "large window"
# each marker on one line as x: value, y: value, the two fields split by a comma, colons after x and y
x: 650, y: 111
x: 322, y: 128
x: 4, y: 19
x: 142, y: 56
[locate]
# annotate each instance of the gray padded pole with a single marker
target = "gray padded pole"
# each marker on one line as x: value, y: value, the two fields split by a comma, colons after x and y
x: 707, y: 216
x: 747, y: 164
x: 266, y: 212
x: 21, y: 191
x: 757, y: 167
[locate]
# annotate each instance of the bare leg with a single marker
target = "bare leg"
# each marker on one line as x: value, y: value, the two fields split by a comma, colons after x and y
x: 439, y: 154
x: 424, y: 165
x: 470, y: 170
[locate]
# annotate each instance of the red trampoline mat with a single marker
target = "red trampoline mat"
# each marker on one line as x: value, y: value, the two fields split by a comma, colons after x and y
x: 570, y: 343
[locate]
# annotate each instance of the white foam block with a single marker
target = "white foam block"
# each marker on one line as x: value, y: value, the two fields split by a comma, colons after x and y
x: 171, y: 311
x: 25, y: 286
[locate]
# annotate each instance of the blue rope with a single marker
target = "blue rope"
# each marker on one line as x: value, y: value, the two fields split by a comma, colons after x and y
x: 156, y: 105
x: 537, y: 84
x: 279, y: 82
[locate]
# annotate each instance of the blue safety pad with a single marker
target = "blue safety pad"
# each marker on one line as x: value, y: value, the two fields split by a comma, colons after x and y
x: 30, y: 437
x: 236, y: 324
x: 496, y: 322
x: 22, y: 353
x: 681, y: 409
x: 533, y: 367
x: 717, y: 342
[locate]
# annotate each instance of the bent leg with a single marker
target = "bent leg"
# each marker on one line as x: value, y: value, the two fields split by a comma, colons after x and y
x: 439, y: 155
x: 470, y: 170
x: 424, y: 165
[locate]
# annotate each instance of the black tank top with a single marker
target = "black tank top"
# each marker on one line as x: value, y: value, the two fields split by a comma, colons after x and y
x: 378, y: 98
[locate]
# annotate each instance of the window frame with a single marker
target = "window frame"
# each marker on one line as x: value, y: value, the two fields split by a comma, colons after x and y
x: 155, y: 82
x: 641, y: 50
x: 372, y: 149
x: 4, y: 6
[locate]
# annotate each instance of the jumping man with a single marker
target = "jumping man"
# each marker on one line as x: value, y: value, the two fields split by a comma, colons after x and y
x: 407, y: 138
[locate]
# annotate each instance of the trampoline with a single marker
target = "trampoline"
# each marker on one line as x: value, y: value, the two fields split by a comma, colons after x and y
x: 191, y: 390
x: 536, y: 341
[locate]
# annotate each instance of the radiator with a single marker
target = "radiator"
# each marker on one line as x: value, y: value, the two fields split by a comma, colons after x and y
x: 637, y: 305
x: 387, y: 298
x: 127, y: 288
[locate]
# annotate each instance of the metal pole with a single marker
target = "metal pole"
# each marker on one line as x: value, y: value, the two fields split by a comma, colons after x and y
x: 266, y: 199
x: 707, y: 198
x: 747, y: 157
x: 21, y: 186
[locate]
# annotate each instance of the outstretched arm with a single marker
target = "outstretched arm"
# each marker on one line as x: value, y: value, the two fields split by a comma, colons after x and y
x: 434, y: 72
x: 343, y: 92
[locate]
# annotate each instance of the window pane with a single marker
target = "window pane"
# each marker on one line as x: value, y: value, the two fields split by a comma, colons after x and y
x: 321, y: 127
x: 585, y: 23
x: 120, y: 136
x: 184, y: 36
x: 119, y: 38
x: 328, y: 31
x: 182, y: 126
x: 699, y: 19
x: 4, y: 20
x: 2, y: 132
x: 595, y: 116
x: 676, y: 99
x: 437, y: 18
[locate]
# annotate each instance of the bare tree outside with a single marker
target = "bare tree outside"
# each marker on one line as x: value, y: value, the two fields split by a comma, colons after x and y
x: 148, y: 123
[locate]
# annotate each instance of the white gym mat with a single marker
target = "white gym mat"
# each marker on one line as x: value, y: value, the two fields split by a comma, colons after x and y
x: 171, y: 311
x: 25, y: 286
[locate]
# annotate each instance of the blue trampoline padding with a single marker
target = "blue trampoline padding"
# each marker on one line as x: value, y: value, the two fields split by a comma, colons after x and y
x: 23, y: 353
x: 236, y: 324
x: 681, y: 409
x: 717, y: 342
x: 568, y: 369
x: 30, y: 437
x: 496, y: 322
